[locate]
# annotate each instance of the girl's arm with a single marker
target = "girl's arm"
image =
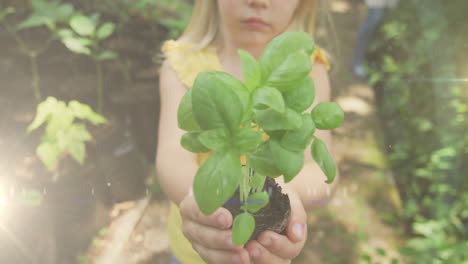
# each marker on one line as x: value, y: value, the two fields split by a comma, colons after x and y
x: 310, y: 182
x: 175, y: 166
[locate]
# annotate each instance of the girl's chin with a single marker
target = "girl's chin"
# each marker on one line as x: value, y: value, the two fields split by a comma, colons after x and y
x: 256, y: 38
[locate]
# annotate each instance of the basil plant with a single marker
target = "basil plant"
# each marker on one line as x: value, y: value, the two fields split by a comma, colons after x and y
x: 229, y: 118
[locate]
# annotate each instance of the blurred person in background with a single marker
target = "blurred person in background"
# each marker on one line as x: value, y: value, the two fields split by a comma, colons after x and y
x: 375, y: 14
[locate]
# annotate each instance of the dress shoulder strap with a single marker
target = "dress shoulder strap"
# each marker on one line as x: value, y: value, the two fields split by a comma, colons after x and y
x: 188, y: 62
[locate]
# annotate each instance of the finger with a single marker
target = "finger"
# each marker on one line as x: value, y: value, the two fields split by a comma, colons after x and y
x: 280, y: 245
x: 261, y: 255
x: 211, y: 256
x: 221, y: 218
x: 209, y: 237
x: 297, y: 221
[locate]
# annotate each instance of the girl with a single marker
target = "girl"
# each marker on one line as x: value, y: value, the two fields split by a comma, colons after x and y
x: 218, y: 28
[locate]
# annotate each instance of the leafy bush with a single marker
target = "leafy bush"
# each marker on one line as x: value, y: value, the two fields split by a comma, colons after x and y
x: 423, y: 106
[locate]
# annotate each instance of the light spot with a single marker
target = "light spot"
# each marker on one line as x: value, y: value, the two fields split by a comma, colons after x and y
x: 340, y: 6
x: 353, y: 104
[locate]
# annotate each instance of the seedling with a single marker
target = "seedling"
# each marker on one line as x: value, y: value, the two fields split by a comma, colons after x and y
x: 51, y: 14
x: 86, y: 37
x: 229, y: 118
x: 63, y: 135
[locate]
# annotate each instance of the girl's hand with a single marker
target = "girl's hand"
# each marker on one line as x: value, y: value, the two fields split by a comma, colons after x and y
x: 210, y: 236
x: 282, y: 249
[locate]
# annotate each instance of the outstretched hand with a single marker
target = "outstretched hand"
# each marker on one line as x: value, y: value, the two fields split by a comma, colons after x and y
x: 211, y: 236
x: 273, y: 248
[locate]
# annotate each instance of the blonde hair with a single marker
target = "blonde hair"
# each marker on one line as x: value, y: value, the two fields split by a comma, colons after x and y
x: 204, y: 27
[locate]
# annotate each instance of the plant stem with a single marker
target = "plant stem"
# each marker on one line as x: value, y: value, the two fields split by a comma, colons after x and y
x: 99, y: 86
x: 35, y: 80
x: 35, y: 76
x: 16, y: 37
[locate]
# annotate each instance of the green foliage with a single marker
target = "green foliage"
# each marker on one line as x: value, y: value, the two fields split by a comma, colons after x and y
x: 256, y: 201
x: 63, y: 135
x: 327, y: 115
x: 172, y: 14
x: 324, y: 159
x: 423, y: 106
x: 47, y: 13
x: 230, y: 121
x: 242, y: 228
x: 5, y: 12
x: 85, y: 36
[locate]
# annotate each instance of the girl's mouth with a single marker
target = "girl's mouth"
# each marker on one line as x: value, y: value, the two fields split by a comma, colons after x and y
x: 256, y: 23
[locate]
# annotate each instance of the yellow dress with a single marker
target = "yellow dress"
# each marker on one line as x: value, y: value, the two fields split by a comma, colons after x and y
x: 187, y: 64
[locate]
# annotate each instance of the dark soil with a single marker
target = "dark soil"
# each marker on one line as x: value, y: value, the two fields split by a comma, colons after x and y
x: 274, y: 216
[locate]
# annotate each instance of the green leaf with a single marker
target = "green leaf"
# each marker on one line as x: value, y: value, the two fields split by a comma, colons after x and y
x: 281, y: 47
x: 5, y: 12
x: 82, y: 25
x: 251, y: 69
x: 242, y: 228
x: 216, y: 181
x: 262, y: 161
x: 288, y: 162
x: 48, y: 152
x: 215, y: 139
x: 76, y: 133
x: 65, y: 33
x: 185, y: 118
x: 256, y: 201
x: 84, y: 112
x: 290, y: 73
x: 191, y: 142
x: 215, y: 103
x: 381, y: 252
x: 327, y: 115
x: 301, y: 97
x: 77, y: 45
x: 324, y: 159
x: 246, y: 140
x: 78, y: 151
x: 64, y: 12
x: 268, y: 97
x: 107, y: 55
x: 270, y: 119
x: 60, y: 121
x: 298, y: 140
x: 44, y: 111
x: 73, y: 140
x: 105, y: 30
x: 35, y: 20
x: 257, y: 180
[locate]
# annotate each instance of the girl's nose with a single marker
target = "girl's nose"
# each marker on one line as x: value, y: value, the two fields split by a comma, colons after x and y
x: 258, y: 3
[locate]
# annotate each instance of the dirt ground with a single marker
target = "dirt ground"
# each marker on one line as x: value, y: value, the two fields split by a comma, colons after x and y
x: 113, y: 211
